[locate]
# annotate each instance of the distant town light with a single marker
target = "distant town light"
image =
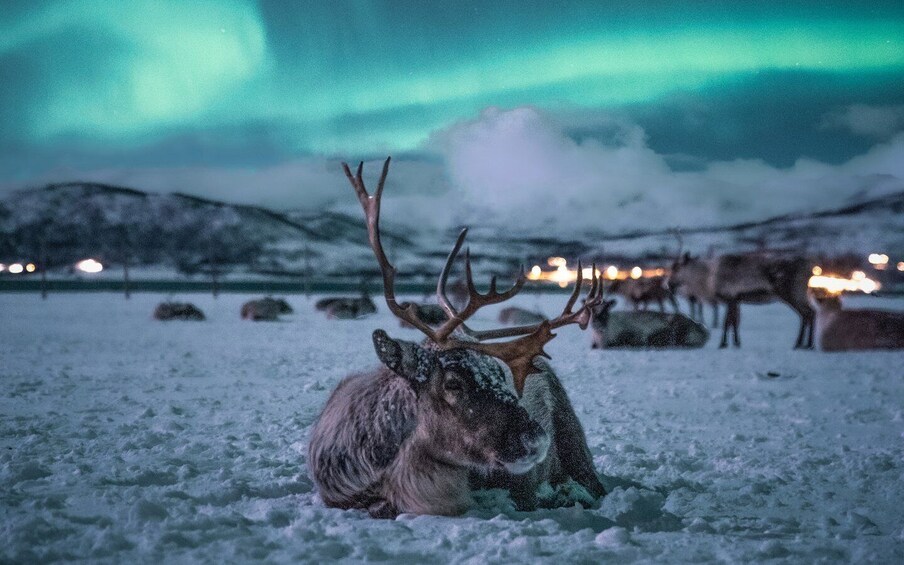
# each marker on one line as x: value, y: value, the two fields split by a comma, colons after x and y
x: 30, y: 267
x: 16, y: 268
x: 817, y: 270
x: 557, y: 262
x: 2, y: 267
x: 535, y: 272
x: 900, y: 266
x: 836, y: 285
x: 89, y: 266
x: 878, y: 258
x: 611, y: 272
x: 636, y: 273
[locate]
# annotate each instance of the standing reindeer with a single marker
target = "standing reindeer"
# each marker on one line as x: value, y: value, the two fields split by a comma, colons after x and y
x: 640, y: 292
x: 754, y: 279
x: 694, y: 281
x: 410, y: 435
x: 847, y: 330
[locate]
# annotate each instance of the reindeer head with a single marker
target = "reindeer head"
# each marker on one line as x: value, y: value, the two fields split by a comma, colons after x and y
x: 678, y: 274
x: 458, y: 373
x: 468, y: 404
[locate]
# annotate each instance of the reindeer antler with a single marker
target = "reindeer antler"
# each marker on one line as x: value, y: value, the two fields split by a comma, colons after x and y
x: 518, y: 354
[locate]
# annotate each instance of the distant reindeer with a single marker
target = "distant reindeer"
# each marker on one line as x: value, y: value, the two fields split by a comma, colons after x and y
x: 849, y: 330
x: 166, y: 311
x: 347, y: 308
x: 513, y: 315
x: 627, y: 328
x: 640, y: 292
x: 351, y: 308
x: 441, y: 418
x: 265, y: 309
x: 755, y: 279
x: 694, y: 281
x: 430, y: 314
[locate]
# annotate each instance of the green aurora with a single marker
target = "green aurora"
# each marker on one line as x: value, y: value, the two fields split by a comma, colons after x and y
x: 262, y: 81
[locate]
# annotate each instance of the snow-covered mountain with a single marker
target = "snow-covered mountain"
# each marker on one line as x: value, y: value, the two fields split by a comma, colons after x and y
x: 187, y: 234
x: 68, y: 222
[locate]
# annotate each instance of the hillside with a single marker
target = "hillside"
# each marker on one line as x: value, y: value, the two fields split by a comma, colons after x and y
x: 184, y: 235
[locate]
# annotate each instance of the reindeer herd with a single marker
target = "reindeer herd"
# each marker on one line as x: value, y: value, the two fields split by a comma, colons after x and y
x: 468, y: 409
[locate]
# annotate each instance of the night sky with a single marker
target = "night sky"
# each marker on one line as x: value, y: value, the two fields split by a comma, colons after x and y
x: 248, y: 100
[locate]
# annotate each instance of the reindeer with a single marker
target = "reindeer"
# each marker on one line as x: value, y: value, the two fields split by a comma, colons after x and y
x: 441, y: 418
x: 351, y: 308
x: 755, y: 279
x: 848, y: 330
x: 265, y: 309
x: 644, y: 329
x: 347, y: 308
x: 430, y: 314
x: 694, y: 282
x: 166, y: 311
x: 640, y: 292
x: 513, y: 315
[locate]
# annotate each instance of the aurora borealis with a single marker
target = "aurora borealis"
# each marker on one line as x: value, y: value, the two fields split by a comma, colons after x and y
x: 100, y: 85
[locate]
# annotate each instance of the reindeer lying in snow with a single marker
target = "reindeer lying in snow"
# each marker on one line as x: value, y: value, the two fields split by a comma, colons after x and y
x: 347, y: 308
x: 519, y: 316
x: 441, y: 418
x: 847, y: 330
x: 265, y: 309
x: 430, y: 314
x: 178, y: 311
x: 644, y: 329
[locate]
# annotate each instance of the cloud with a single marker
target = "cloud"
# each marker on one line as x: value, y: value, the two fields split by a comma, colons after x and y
x: 521, y: 171
x: 518, y: 168
x: 880, y: 122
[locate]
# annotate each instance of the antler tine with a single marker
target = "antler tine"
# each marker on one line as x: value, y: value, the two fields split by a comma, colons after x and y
x: 441, y: 297
x: 382, y: 182
x: 579, y: 280
x: 592, y: 300
x: 371, y: 205
x: 360, y: 191
x: 476, y: 300
x: 583, y: 314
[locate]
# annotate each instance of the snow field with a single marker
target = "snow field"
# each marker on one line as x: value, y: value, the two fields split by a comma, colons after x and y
x: 126, y: 439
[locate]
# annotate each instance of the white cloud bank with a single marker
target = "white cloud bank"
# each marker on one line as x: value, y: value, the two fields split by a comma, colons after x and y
x: 519, y: 170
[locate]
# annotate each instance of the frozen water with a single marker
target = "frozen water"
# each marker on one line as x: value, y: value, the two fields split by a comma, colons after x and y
x: 126, y: 439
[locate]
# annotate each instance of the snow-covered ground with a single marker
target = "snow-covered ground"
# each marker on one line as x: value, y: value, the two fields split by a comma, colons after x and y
x: 129, y: 440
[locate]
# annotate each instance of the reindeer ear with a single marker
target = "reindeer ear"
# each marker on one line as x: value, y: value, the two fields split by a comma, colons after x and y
x: 687, y: 256
x: 404, y: 358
